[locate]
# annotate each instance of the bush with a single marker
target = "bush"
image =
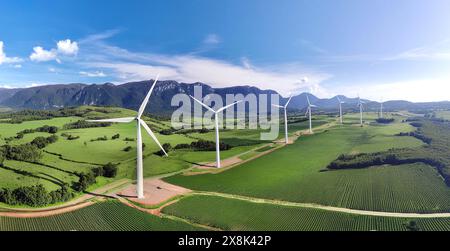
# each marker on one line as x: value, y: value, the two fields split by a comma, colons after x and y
x: 127, y: 149
x: 167, y: 147
x: 115, y: 136
x: 167, y: 131
x: 104, y: 138
x: 182, y: 146
x: 85, y: 180
x: 204, y: 145
x: 41, y: 142
x: 128, y: 139
x: 110, y: 170
x: 71, y: 137
x: 84, y: 124
x: 385, y: 120
x: 25, y: 152
x: 35, y: 195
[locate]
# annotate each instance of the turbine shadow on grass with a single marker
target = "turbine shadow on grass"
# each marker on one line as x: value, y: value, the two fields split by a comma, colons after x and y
x: 199, y: 164
x: 100, y: 195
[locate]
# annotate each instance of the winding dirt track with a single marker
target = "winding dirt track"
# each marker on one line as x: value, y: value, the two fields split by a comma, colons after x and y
x: 327, y: 208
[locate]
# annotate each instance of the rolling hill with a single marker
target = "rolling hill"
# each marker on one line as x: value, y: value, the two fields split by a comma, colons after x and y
x: 129, y: 95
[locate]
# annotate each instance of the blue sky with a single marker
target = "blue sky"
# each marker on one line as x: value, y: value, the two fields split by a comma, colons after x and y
x: 380, y: 49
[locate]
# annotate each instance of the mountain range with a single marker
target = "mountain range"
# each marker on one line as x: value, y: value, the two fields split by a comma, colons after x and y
x: 130, y: 95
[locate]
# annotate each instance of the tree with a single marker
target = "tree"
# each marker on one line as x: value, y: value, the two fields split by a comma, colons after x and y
x: 110, y: 170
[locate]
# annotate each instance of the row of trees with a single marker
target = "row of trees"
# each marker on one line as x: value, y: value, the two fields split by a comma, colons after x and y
x: 35, y: 195
x: 203, y: 145
x: 84, y: 124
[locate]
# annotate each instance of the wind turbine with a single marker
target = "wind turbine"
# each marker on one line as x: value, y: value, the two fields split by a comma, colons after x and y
x: 340, y: 108
x: 360, y: 105
x: 309, y: 111
x: 381, y: 108
x: 139, y: 123
x: 285, y: 118
x: 216, y: 120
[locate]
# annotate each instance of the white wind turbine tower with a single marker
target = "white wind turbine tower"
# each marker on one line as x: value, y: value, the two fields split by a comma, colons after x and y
x: 285, y: 118
x: 216, y: 120
x: 309, y: 111
x: 340, y: 108
x: 139, y: 123
x: 360, y: 105
x: 381, y: 108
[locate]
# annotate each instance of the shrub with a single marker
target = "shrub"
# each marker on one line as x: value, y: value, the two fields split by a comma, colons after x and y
x: 167, y: 147
x: 115, y: 136
x: 104, y: 138
x: 127, y: 149
x: 41, y: 142
x: 71, y: 137
x: 204, y: 145
x: 110, y: 170
x: 84, y: 124
x: 182, y: 146
x: 385, y: 120
x: 85, y: 180
x: 25, y: 152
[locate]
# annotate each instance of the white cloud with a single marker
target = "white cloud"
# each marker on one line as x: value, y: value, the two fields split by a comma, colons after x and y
x: 17, y: 66
x: 41, y: 55
x: 436, y: 51
x: 5, y: 59
x: 417, y: 90
x: 63, y: 48
x: 95, y: 74
x: 214, y: 72
x: 67, y: 47
x: 212, y: 39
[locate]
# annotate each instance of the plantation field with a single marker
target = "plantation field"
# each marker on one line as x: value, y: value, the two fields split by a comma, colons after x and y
x: 235, y: 215
x: 103, y: 216
x: 297, y: 173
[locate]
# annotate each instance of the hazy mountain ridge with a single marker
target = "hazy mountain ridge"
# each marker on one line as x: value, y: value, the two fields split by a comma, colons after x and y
x: 130, y: 95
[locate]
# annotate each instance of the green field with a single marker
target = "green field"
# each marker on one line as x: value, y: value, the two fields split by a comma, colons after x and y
x: 297, y: 173
x: 443, y: 114
x: 237, y: 215
x: 63, y: 159
x: 103, y: 216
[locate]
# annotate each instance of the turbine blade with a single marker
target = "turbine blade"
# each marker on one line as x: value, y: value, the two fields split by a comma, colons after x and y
x: 339, y: 100
x: 289, y: 100
x: 307, y: 98
x: 116, y: 120
x: 228, y: 106
x: 279, y: 106
x: 313, y: 105
x: 152, y: 135
x: 198, y: 101
x: 144, y: 103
